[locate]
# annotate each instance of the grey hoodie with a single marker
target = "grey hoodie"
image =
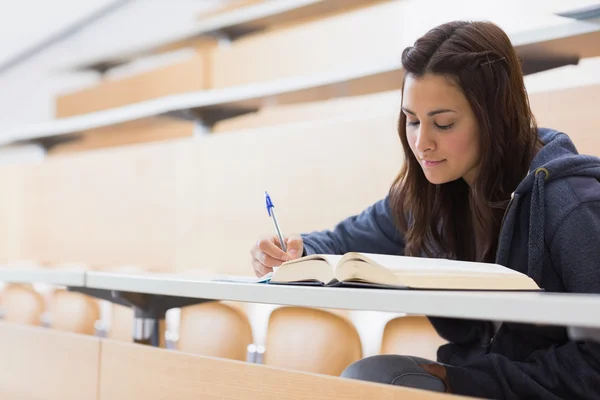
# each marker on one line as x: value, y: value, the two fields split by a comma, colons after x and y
x: 551, y: 232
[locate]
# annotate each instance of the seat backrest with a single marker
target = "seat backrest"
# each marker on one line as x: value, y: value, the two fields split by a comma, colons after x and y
x: 22, y: 304
x: 311, y: 340
x: 214, y: 329
x: 74, y: 312
x: 411, y: 336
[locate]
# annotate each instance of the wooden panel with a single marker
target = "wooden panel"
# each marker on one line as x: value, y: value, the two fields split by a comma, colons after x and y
x: 130, y: 371
x: 317, y: 174
x: 181, y: 77
x: 39, y: 363
x: 379, y: 103
x: 104, y: 208
x: 353, y: 47
x: 142, y: 131
x: 573, y: 111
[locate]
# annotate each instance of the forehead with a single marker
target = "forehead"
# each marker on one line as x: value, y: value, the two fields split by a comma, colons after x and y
x: 432, y: 91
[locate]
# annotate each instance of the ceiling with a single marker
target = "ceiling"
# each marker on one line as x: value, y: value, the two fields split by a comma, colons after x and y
x: 25, y: 24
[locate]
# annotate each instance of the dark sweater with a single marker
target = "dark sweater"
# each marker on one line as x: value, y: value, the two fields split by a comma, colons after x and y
x: 519, y: 360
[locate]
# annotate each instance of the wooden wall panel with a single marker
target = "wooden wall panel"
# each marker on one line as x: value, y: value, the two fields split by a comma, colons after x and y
x: 132, y: 371
x: 104, y: 208
x: 136, y: 132
x: 184, y: 76
x: 289, y: 52
x: 374, y: 104
x: 573, y: 111
x: 40, y: 363
x: 317, y: 173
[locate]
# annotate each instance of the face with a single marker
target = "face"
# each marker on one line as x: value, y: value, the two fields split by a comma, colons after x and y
x: 441, y: 129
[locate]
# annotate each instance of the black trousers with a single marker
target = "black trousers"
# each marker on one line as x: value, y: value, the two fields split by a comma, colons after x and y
x: 395, y: 370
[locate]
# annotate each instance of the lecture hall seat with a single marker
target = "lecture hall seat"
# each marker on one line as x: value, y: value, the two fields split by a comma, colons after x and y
x: 22, y: 304
x: 411, y: 335
x: 311, y: 340
x: 214, y: 329
x: 74, y: 312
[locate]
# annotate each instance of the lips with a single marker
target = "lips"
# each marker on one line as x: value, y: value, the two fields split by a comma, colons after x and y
x: 432, y: 163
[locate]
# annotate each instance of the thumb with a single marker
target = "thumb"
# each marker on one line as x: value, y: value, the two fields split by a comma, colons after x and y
x: 295, y: 246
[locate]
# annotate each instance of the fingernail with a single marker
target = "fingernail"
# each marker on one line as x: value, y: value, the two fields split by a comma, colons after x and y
x: 293, y: 252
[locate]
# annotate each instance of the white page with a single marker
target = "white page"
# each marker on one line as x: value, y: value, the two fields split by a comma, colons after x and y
x: 435, y: 265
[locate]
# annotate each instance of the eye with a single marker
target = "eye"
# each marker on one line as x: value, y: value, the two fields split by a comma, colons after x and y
x: 444, y: 127
x: 412, y: 123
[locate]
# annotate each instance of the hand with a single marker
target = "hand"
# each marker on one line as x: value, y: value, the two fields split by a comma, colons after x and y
x: 267, y: 253
x: 438, y: 371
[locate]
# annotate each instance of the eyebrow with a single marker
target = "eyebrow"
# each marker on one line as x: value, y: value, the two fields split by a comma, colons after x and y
x: 430, y: 113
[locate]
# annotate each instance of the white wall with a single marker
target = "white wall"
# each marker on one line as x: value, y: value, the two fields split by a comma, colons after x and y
x: 27, y: 91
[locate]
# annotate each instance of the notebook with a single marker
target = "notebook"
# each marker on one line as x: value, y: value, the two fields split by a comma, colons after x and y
x: 399, y: 272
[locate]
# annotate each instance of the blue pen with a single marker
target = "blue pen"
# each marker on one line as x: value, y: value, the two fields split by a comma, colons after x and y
x: 271, y: 211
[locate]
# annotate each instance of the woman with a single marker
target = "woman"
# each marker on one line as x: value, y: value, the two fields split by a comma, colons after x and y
x: 480, y: 183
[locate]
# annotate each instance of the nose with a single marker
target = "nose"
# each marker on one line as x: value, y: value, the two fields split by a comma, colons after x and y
x: 424, y: 141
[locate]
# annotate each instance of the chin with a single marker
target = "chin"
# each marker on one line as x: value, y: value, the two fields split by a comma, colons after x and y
x: 435, y: 179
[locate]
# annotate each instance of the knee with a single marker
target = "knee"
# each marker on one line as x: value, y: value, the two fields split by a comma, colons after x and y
x: 394, y: 370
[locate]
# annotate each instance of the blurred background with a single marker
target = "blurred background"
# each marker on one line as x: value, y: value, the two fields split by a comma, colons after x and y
x: 140, y: 135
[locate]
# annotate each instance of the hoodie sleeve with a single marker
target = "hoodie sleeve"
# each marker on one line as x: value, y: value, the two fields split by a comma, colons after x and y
x: 371, y: 231
x: 571, y: 370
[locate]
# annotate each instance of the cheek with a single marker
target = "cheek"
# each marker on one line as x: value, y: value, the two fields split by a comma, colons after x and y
x: 411, y: 138
x: 465, y: 145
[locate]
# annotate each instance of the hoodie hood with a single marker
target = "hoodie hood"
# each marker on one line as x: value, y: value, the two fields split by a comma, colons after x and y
x: 557, y: 159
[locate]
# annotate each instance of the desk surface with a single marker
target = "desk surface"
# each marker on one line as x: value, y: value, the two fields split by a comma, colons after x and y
x: 564, y: 309
x: 59, y: 277
x: 544, y: 308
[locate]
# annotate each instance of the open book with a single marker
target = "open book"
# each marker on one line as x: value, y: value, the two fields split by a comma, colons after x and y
x: 364, y: 269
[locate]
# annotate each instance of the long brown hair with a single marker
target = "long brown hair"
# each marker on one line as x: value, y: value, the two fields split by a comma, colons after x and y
x: 454, y: 220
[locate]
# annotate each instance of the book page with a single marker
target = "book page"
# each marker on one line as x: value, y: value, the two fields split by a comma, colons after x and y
x: 331, y: 259
x: 426, y: 266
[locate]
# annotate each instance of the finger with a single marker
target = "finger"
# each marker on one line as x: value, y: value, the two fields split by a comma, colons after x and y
x: 264, y: 258
x: 295, y: 246
x: 268, y: 246
x: 267, y: 260
x: 259, y: 269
